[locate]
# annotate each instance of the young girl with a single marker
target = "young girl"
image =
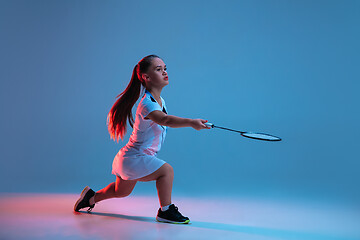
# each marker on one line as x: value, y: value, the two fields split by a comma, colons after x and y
x: 137, y: 160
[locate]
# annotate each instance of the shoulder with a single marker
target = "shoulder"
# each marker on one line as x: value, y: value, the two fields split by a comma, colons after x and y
x: 147, y: 99
x: 147, y: 105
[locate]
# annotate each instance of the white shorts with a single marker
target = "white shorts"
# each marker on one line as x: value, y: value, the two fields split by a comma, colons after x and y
x: 130, y: 165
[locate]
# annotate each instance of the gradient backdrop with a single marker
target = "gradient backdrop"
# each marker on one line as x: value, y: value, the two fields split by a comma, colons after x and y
x: 290, y: 68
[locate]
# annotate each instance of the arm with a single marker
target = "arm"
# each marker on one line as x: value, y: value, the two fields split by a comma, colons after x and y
x: 176, y: 122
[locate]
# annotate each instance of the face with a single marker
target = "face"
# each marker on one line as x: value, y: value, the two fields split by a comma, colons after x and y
x: 156, y: 76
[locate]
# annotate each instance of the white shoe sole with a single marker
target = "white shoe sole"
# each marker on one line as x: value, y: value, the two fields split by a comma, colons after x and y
x: 159, y: 219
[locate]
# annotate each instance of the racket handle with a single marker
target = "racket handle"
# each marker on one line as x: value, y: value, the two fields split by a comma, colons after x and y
x: 209, y: 124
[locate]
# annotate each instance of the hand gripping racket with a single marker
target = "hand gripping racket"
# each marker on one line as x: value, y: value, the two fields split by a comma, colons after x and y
x: 253, y: 135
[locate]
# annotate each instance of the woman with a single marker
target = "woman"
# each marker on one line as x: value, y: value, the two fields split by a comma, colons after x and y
x: 137, y: 160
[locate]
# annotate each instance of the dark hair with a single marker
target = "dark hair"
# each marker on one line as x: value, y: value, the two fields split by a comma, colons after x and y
x: 122, y: 108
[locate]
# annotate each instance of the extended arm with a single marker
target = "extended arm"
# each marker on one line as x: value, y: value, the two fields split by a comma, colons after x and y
x: 176, y: 122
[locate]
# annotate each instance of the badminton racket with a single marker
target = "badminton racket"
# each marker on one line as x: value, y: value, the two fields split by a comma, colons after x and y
x: 253, y: 135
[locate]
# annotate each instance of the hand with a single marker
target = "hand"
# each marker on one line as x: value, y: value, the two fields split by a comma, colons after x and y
x: 198, y: 124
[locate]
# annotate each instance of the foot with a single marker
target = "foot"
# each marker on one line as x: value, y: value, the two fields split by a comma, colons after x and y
x: 83, y: 201
x: 172, y: 215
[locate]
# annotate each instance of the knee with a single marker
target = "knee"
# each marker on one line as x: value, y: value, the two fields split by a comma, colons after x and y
x: 169, y: 171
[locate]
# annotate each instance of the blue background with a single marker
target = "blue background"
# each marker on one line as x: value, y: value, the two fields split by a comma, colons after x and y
x: 289, y: 68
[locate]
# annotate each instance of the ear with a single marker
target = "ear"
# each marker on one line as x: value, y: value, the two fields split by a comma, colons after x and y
x: 145, y: 76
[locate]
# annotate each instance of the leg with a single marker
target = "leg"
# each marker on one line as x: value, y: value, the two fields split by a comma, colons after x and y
x: 164, y: 177
x: 118, y: 189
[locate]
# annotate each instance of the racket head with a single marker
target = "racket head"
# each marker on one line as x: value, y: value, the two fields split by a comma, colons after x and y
x: 261, y: 136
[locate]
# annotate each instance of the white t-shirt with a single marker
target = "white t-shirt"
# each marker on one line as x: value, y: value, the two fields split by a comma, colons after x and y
x: 147, y: 136
x: 138, y: 157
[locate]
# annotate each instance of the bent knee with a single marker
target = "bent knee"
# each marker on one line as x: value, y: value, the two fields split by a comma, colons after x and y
x: 168, y: 170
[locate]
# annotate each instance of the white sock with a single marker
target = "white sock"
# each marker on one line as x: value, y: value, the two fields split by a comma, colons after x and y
x: 164, y: 208
x: 92, y: 200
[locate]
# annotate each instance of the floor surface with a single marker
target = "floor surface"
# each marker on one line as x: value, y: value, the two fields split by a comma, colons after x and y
x: 51, y: 216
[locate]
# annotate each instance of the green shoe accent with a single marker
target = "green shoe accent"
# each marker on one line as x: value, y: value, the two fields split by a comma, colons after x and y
x: 186, y: 222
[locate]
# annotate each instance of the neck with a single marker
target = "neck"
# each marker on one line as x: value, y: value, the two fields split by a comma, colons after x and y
x: 156, y: 92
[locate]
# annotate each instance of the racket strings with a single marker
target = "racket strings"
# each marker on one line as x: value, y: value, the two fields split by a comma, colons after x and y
x: 262, y: 136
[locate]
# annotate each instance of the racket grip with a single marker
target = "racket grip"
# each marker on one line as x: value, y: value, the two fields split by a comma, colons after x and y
x: 209, y: 124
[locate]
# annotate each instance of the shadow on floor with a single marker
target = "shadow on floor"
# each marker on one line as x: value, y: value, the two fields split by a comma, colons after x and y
x: 268, y: 232
x: 116, y: 215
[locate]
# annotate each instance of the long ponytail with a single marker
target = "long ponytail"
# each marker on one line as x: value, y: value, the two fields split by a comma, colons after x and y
x: 121, y: 111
